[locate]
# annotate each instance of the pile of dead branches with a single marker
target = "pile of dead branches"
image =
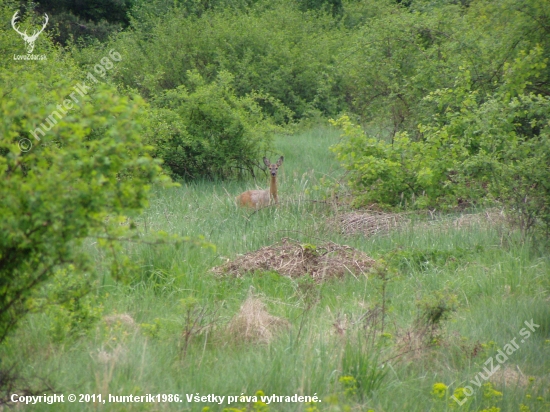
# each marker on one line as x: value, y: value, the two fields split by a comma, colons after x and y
x: 293, y: 259
x: 368, y: 223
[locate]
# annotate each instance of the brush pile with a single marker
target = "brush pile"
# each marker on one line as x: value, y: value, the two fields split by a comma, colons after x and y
x: 293, y: 259
x: 368, y: 223
x: 490, y: 217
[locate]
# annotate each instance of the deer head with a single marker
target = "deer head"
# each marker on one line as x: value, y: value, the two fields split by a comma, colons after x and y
x: 28, y: 39
x: 273, y: 167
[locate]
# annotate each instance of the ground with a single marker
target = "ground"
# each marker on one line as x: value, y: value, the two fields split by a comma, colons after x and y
x: 443, y: 298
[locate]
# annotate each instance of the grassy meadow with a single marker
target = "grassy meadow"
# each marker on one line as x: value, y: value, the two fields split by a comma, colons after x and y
x: 166, y: 329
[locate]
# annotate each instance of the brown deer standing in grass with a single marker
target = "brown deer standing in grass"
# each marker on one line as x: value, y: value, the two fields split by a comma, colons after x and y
x: 260, y: 198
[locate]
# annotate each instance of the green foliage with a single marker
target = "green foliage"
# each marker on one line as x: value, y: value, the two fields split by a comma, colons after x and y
x: 475, y: 148
x: 497, y: 146
x: 401, y: 55
x: 272, y: 48
x: 146, y: 10
x: 436, y: 308
x: 415, y: 259
x: 396, y: 58
x: 71, y: 310
x: 153, y: 330
x: 207, y: 131
x: 360, y: 362
x: 433, y: 310
x: 79, y: 180
x: 397, y: 174
x: 459, y: 130
x: 83, y: 20
x: 335, y: 7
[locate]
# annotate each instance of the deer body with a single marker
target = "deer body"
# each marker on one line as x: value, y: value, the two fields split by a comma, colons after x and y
x: 260, y: 198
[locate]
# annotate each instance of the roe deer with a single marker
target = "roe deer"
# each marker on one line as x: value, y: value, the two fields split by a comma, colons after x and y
x: 259, y: 198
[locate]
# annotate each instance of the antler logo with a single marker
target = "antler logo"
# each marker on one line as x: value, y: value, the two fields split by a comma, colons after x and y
x: 28, y: 39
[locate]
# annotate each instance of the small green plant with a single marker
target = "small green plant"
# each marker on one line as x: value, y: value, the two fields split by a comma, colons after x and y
x: 490, y: 393
x: 360, y: 366
x: 433, y: 310
x: 312, y: 407
x: 384, y: 272
x: 196, y: 319
x: 151, y: 330
x: 309, y: 292
x: 459, y: 398
x: 412, y: 259
x: 260, y: 405
x: 72, y: 311
x: 349, y: 384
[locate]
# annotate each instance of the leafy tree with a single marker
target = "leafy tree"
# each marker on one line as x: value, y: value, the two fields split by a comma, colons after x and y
x: 476, y: 149
x: 335, y: 7
x: 402, y: 54
x: 83, y: 176
x: 84, y: 19
x: 207, y: 131
x: 284, y: 53
x: 145, y: 10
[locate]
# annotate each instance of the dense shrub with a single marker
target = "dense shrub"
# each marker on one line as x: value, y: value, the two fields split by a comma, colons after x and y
x: 475, y: 149
x: 81, y: 20
x: 90, y: 169
x: 207, y: 131
x: 273, y: 48
x: 397, y: 174
x: 402, y: 54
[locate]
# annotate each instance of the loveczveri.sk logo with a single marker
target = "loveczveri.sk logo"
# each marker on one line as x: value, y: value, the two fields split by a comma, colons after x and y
x: 29, y: 40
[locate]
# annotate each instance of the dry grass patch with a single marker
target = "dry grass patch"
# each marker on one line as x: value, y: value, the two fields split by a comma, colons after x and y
x: 367, y: 223
x: 105, y: 357
x: 254, y: 324
x: 107, y: 360
x: 293, y: 259
x: 119, y: 319
x: 509, y: 376
x: 370, y: 223
x: 489, y: 217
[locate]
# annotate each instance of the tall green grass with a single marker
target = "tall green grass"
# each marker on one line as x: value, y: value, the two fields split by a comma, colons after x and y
x: 498, y: 279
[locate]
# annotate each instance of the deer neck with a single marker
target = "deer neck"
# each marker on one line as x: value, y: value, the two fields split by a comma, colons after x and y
x: 273, y: 188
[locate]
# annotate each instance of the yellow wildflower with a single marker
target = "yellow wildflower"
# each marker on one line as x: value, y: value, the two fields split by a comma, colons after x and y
x: 439, y: 390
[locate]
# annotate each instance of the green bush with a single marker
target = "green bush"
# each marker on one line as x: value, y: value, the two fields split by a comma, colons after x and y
x: 88, y: 171
x: 69, y: 19
x: 476, y: 149
x: 207, y: 131
x: 68, y: 304
x: 390, y: 63
x: 272, y: 47
x: 399, y: 174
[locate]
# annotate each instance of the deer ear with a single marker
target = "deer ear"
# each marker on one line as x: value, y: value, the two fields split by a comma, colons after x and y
x: 280, y: 161
x: 266, y: 161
